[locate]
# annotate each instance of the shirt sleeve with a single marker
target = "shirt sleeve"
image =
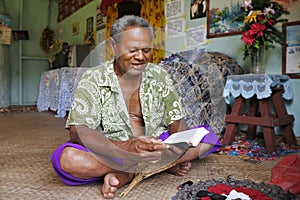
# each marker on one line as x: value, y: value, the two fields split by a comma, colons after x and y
x: 86, y: 105
x: 173, y: 108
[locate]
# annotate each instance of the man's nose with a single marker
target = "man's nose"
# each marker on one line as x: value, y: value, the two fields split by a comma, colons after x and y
x: 139, y: 54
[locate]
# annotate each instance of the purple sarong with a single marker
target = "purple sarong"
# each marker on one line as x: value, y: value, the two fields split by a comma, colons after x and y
x: 210, y: 138
x: 67, y: 178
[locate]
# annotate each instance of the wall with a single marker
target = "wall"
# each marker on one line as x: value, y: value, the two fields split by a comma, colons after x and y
x: 4, y: 70
x: 27, y: 61
x: 80, y: 16
x: 233, y: 47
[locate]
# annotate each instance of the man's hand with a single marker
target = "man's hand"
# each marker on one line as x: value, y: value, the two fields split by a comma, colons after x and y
x: 144, y: 144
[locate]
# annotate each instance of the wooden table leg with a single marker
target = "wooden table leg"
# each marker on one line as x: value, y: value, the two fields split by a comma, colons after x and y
x: 282, y: 114
x: 231, y: 128
x: 253, y: 111
x: 269, y: 136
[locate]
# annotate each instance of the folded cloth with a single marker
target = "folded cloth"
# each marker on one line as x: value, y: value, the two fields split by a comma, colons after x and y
x: 286, y: 174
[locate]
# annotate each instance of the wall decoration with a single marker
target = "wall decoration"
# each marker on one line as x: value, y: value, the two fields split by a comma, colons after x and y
x: 47, y: 39
x: 174, y: 8
x: 67, y: 7
x: 89, y: 25
x: 75, y: 28
x: 5, y: 29
x: 175, y: 28
x: 219, y: 18
x: 61, y: 31
x: 293, y: 6
x: 291, y: 49
x: 195, y: 36
x: 20, y: 35
x: 197, y: 9
x: 101, y: 36
x: 100, y: 19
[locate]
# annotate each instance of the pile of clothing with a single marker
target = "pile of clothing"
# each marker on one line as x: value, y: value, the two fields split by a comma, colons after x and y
x: 255, y: 149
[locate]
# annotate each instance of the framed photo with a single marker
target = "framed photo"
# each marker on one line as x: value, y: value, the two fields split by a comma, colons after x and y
x: 219, y: 18
x: 197, y: 9
x: 75, y: 28
x: 89, y: 25
x: 291, y: 49
x: 100, y: 18
x: 20, y: 35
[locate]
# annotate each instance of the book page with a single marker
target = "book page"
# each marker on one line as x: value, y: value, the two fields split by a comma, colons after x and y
x: 192, y: 136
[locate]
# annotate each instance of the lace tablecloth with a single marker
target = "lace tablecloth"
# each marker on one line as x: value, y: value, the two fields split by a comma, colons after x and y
x: 260, y: 85
x: 57, y: 88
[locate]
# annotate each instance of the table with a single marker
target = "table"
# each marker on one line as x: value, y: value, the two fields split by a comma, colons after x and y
x: 56, y: 89
x: 265, y: 93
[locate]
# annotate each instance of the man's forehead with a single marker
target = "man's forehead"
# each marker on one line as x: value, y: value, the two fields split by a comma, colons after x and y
x: 130, y: 29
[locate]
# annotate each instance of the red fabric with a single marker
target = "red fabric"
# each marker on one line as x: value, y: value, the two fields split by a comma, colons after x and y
x: 286, y: 174
x: 225, y: 189
x: 106, y: 3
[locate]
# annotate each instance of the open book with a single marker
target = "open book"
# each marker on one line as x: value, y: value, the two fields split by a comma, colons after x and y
x: 191, y: 136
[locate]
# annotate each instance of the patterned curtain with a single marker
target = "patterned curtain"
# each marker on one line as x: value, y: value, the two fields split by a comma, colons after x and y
x: 153, y: 11
x: 112, y: 15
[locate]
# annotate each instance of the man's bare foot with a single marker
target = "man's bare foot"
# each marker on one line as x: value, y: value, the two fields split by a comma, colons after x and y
x: 112, y: 181
x: 180, y: 169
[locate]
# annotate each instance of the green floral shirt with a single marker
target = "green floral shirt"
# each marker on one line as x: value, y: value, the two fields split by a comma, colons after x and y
x: 98, y: 102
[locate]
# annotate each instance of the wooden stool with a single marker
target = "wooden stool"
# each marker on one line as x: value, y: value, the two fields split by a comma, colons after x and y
x: 260, y: 114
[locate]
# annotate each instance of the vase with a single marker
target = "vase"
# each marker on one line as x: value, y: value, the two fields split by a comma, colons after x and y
x: 258, y: 61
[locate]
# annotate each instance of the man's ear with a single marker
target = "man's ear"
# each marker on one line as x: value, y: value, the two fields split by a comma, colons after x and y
x: 112, y: 44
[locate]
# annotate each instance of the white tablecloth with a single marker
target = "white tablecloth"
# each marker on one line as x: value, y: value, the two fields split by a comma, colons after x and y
x: 57, y: 89
x: 260, y: 85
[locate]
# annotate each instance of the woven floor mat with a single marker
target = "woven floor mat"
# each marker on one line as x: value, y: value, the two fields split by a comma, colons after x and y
x: 28, y: 139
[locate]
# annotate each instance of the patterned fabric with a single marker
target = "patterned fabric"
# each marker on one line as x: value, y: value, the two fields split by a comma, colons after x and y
x: 98, y: 102
x: 67, y: 7
x: 153, y: 11
x: 111, y: 18
x: 199, y: 78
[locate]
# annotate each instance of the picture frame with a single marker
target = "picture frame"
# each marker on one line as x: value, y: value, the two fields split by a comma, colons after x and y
x: 20, y: 35
x: 197, y: 9
x: 100, y: 21
x: 219, y: 18
x: 89, y: 24
x: 291, y: 49
x: 75, y: 28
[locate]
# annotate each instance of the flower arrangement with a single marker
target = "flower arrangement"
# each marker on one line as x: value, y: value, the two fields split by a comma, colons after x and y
x: 260, y: 17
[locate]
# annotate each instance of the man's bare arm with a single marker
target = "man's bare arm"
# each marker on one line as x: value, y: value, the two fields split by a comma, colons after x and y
x: 129, y: 153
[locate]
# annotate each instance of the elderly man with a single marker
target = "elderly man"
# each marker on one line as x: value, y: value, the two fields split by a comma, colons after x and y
x: 120, y: 109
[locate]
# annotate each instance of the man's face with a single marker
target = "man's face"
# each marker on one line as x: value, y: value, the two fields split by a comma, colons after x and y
x: 133, y: 52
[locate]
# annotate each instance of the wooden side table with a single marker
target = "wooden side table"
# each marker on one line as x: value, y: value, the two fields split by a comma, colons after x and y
x: 266, y: 107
